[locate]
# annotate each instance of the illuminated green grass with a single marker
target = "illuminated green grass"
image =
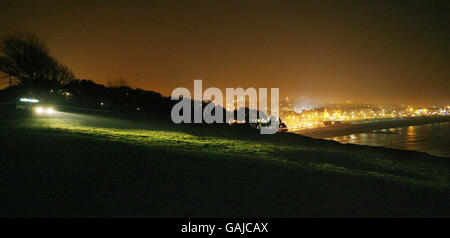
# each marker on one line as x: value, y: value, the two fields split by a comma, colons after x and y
x: 356, y: 163
x: 279, y: 159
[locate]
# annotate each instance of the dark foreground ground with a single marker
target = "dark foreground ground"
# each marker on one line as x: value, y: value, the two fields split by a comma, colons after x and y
x: 86, y: 166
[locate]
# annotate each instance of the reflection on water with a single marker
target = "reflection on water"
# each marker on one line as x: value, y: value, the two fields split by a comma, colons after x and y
x: 431, y: 138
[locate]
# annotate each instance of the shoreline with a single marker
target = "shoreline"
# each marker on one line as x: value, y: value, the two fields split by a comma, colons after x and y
x: 356, y: 127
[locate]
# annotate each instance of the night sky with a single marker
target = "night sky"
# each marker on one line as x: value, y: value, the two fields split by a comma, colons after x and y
x: 371, y: 51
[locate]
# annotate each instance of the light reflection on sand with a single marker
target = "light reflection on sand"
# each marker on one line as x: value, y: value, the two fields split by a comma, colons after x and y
x: 431, y: 138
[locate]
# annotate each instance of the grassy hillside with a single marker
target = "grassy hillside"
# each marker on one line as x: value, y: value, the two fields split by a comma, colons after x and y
x: 77, y: 165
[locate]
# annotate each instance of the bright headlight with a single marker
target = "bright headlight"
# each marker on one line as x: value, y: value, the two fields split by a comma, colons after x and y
x: 39, y: 110
x: 50, y: 110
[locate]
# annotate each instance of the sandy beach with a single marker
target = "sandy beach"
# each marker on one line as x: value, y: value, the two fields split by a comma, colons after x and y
x: 355, y: 127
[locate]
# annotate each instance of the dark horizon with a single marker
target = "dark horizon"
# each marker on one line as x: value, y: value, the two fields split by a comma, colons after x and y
x: 371, y: 51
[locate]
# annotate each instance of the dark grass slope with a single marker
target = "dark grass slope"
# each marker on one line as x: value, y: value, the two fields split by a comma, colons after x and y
x: 89, y: 166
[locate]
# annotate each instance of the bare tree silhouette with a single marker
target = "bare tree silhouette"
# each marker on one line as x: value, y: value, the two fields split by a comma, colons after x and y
x: 26, y: 60
x: 118, y: 83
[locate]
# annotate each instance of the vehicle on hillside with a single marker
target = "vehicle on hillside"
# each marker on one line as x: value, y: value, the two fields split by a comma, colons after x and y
x: 33, y: 105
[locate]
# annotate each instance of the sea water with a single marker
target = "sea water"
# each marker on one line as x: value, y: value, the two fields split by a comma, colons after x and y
x: 431, y: 138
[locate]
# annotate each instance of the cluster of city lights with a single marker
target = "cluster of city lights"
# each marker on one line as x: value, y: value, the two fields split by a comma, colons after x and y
x: 326, y: 116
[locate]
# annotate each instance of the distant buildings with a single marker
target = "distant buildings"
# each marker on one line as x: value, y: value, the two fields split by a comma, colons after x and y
x: 304, y: 118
